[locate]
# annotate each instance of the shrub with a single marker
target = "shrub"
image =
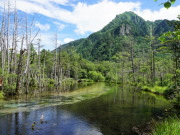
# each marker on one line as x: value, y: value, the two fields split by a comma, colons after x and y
x: 1, y: 95
x: 9, y: 89
x: 96, y: 76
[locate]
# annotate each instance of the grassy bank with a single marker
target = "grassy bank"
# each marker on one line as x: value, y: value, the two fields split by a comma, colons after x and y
x: 170, y: 126
x: 155, y: 89
x: 171, y: 94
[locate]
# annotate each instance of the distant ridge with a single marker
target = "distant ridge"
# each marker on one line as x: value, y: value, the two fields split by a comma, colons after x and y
x: 102, y: 45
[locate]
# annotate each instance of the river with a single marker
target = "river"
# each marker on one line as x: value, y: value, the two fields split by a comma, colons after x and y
x: 98, y: 109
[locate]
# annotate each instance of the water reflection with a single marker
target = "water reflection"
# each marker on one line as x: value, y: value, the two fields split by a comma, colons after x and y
x: 118, y: 112
x: 59, y: 122
x: 110, y: 114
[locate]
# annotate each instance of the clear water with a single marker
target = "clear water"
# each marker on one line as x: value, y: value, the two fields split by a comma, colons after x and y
x: 93, y: 110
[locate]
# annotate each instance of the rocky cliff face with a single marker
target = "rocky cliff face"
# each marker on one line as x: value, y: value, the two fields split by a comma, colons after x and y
x: 124, y: 30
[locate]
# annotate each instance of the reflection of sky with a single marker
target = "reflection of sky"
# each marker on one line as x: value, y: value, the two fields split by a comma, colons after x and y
x: 113, y: 113
x: 59, y: 122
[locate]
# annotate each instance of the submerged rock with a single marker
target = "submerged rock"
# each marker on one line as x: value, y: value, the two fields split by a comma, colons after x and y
x: 33, y: 125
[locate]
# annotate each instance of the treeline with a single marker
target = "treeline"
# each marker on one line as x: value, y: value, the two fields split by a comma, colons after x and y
x: 24, y: 69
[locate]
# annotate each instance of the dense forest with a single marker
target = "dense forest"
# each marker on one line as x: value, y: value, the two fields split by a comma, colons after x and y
x: 129, y: 50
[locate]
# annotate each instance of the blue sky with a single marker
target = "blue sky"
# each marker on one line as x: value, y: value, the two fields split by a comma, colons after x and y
x: 75, y: 19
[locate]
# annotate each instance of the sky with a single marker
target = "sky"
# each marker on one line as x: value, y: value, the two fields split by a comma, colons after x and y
x: 75, y: 19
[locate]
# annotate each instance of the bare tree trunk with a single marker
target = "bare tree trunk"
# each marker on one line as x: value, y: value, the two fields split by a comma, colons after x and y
x: 44, y: 64
x: 7, y: 35
x: 152, y: 58
x: 3, y: 41
x: 19, y: 68
x: 132, y: 60
x: 55, y: 60
x: 28, y: 57
x: 39, y: 64
x: 29, y: 40
x: 3, y: 44
x: 14, y: 43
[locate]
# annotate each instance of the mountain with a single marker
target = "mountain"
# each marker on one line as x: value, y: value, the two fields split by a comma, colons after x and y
x: 102, y: 45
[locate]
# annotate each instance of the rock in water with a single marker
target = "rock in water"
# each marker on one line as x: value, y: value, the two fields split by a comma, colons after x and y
x: 42, y: 119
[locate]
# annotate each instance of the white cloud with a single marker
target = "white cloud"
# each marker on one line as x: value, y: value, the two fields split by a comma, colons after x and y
x: 91, y: 18
x: 44, y: 2
x: 163, y: 13
x: 60, y: 26
x: 48, y: 40
x: 87, y: 18
x: 42, y: 27
x: 67, y: 40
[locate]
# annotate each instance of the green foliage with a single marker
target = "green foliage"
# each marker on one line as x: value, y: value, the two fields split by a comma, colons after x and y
x: 178, y: 77
x: 9, y: 89
x: 167, y: 80
x: 168, y: 3
x: 33, y: 83
x: 83, y: 73
x: 111, y: 77
x: 169, y: 126
x: 1, y: 95
x: 49, y: 83
x: 172, y: 42
x: 33, y: 54
x: 96, y: 76
x: 156, y: 89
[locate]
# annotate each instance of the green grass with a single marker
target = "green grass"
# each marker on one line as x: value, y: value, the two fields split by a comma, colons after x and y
x: 156, y: 88
x: 170, y: 126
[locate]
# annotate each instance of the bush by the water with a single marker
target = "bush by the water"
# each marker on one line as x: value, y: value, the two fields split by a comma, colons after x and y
x: 96, y: 76
x: 170, y: 126
x: 156, y: 89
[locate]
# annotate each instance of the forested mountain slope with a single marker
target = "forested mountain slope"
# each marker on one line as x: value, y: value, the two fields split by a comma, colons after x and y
x: 114, y: 37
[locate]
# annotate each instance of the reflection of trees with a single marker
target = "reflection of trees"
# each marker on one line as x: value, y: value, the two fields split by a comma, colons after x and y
x: 111, y: 114
x: 16, y: 123
x: 122, y: 95
x: 115, y: 93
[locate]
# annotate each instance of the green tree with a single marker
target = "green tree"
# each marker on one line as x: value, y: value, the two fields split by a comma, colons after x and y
x: 171, y: 42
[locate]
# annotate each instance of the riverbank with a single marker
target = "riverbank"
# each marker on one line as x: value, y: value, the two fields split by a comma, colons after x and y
x: 156, y: 89
x: 171, y: 94
x: 169, y: 126
x: 159, y: 126
x: 168, y: 123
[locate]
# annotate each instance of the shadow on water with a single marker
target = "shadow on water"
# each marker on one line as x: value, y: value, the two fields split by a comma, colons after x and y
x: 113, y: 110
